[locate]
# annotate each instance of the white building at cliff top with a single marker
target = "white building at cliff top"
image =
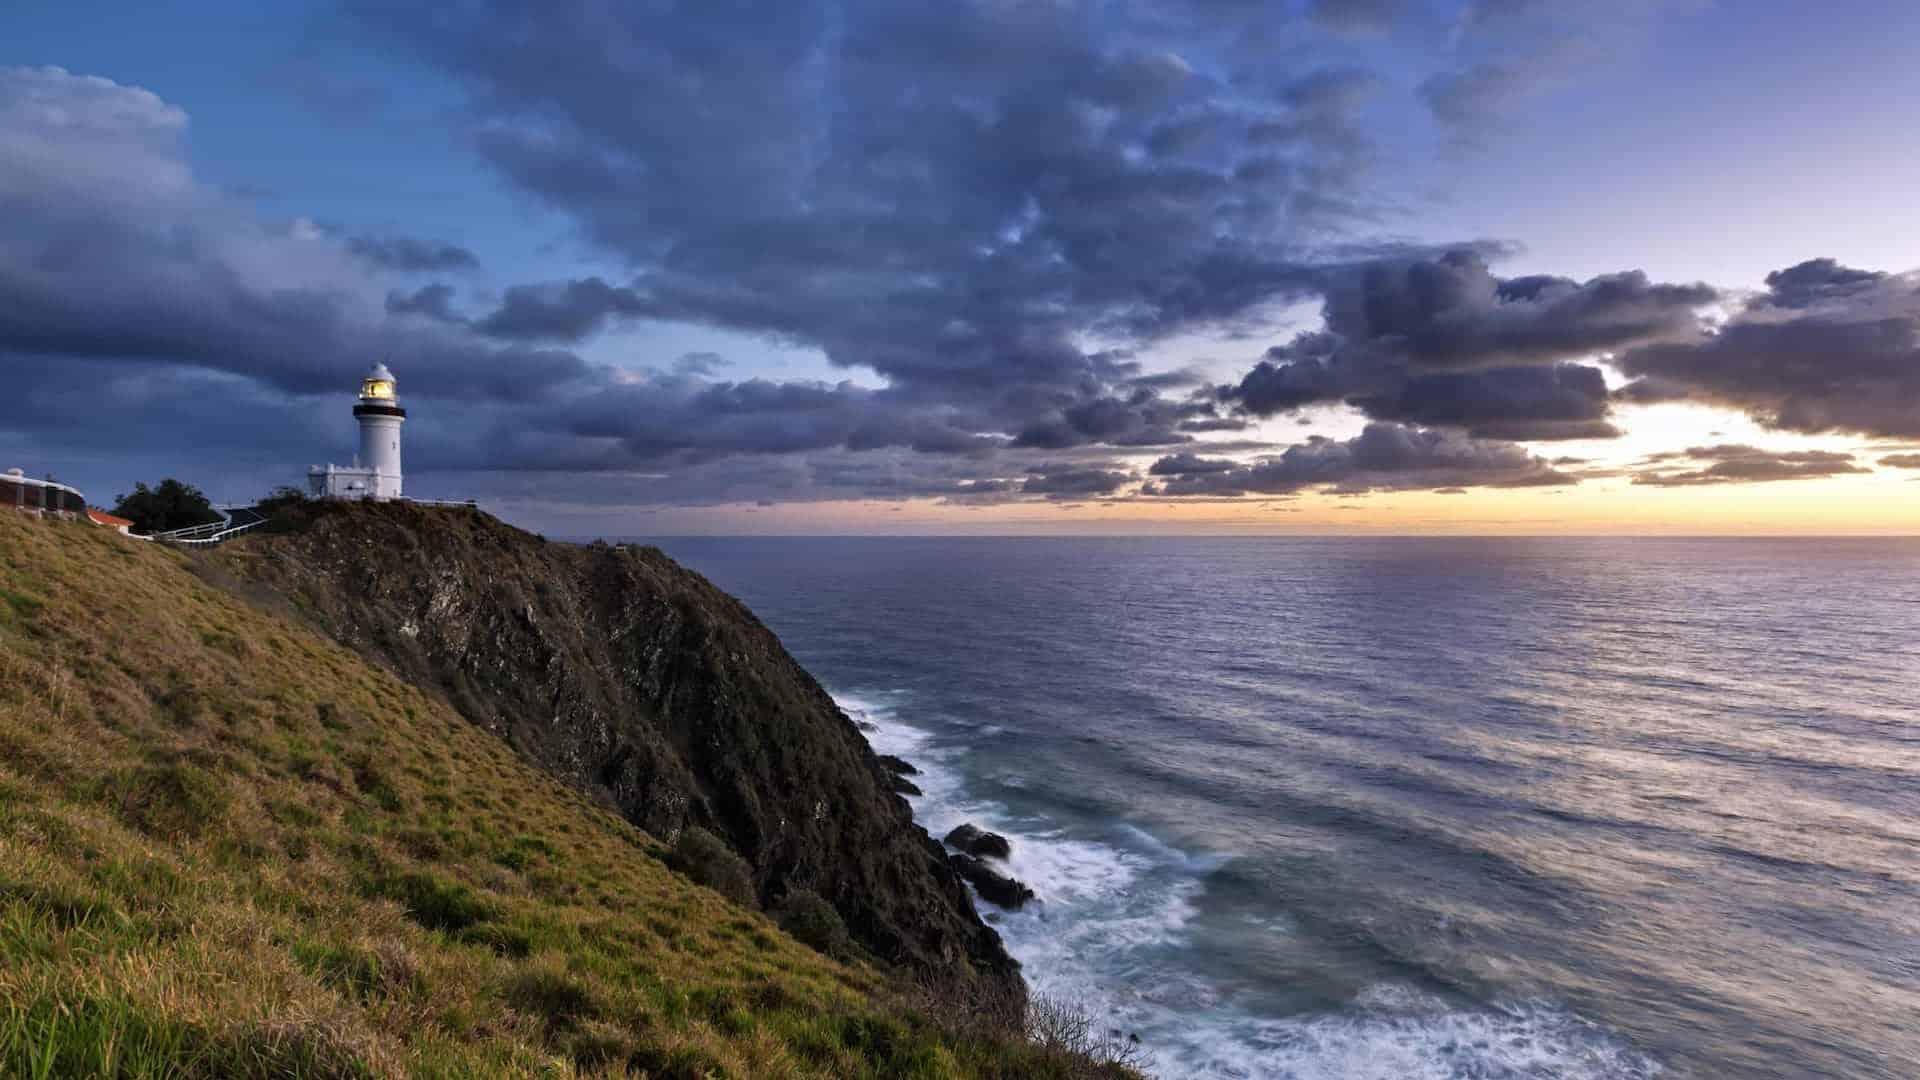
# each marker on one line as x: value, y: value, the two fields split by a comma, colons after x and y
x: 375, y: 473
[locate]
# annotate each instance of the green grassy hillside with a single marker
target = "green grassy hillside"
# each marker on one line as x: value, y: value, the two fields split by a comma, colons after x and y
x: 231, y: 847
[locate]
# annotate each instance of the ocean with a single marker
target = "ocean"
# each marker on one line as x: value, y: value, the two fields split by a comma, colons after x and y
x: 1410, y: 808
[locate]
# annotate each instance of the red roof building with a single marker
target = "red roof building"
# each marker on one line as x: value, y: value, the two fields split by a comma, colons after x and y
x: 108, y: 521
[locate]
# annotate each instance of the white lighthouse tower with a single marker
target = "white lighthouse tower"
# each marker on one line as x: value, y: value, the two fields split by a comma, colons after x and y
x: 375, y: 474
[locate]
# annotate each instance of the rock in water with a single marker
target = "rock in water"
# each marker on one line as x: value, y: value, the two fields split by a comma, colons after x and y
x: 906, y: 787
x: 639, y: 683
x: 974, y: 840
x: 898, y: 766
x: 994, y: 886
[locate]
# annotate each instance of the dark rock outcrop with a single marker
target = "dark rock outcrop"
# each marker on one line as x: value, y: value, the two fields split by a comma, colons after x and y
x: 639, y: 682
x: 973, y: 840
x: 905, y: 786
x: 898, y: 766
x: 994, y: 886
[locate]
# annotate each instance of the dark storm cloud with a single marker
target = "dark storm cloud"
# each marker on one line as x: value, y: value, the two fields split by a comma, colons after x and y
x: 1564, y: 401
x: 814, y: 477
x: 434, y: 301
x: 1055, y: 170
x: 995, y: 207
x: 1070, y: 483
x: 1140, y: 419
x: 1815, y: 281
x: 164, y: 271
x: 1191, y: 465
x: 568, y: 311
x: 1826, y: 348
x: 162, y: 324
x: 412, y: 254
x: 1384, y: 457
x: 666, y: 414
x: 1443, y: 341
x: 1738, y: 464
x: 1453, y: 313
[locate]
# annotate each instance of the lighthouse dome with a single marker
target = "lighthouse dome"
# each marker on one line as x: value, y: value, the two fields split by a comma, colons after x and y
x: 378, y: 385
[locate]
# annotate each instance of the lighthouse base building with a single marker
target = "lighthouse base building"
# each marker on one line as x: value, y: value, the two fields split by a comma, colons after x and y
x: 375, y: 473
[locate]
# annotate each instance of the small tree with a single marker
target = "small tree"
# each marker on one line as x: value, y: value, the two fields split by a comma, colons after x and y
x: 174, y: 504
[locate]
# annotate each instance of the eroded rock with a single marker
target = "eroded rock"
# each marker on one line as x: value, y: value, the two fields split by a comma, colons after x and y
x: 973, y: 840
x: 994, y: 886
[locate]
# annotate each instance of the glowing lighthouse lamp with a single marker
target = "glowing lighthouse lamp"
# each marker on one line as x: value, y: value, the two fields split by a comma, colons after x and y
x: 375, y: 473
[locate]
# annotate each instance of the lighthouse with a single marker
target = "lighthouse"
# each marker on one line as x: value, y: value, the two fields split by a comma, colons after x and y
x: 375, y: 474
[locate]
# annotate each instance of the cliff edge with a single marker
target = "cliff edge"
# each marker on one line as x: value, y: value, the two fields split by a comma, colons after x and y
x: 639, y: 683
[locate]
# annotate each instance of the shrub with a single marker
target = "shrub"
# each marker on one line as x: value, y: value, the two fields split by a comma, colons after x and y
x: 707, y: 859
x: 813, y: 922
x: 1065, y: 1029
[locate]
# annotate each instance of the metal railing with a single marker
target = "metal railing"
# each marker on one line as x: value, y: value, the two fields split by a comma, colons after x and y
x: 236, y: 519
x: 231, y: 524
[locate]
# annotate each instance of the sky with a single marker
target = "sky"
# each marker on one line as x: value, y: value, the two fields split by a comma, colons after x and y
x: 1002, y: 266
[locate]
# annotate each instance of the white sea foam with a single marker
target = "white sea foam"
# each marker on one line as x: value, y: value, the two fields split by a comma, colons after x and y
x: 1395, y: 1033
x: 1108, y: 913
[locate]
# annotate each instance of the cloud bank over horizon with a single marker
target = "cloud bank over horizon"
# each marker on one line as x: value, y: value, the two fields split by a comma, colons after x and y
x: 1005, y: 224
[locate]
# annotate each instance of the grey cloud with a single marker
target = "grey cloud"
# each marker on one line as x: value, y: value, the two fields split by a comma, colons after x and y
x: 1071, y: 483
x: 167, y: 272
x: 1816, y: 281
x: 1827, y: 348
x: 1453, y: 313
x: 1191, y: 465
x: 434, y: 301
x: 766, y: 174
x: 1738, y: 464
x: 1564, y: 401
x: 1901, y: 461
x: 411, y: 254
x: 1141, y: 419
x: 699, y: 363
x: 1443, y: 341
x: 560, y: 311
x: 1385, y: 457
x: 674, y: 413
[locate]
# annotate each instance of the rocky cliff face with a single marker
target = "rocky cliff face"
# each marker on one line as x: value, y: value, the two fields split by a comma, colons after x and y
x: 638, y: 681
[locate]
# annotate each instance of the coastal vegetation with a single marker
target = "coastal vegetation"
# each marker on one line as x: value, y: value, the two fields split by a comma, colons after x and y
x: 650, y: 691
x: 230, y: 846
x: 168, y: 505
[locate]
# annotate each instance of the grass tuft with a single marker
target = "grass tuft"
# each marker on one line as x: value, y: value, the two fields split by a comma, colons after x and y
x: 173, y: 799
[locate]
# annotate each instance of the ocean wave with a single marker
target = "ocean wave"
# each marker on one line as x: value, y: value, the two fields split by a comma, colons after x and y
x: 1396, y: 1033
x: 1112, y: 915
